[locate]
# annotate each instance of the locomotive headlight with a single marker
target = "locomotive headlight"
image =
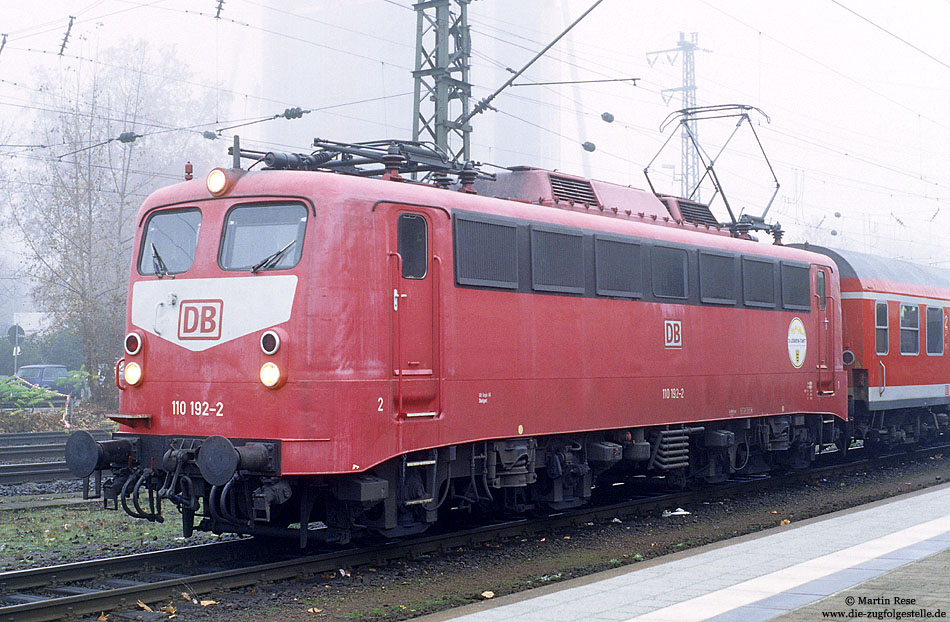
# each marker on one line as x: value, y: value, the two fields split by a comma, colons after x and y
x: 217, y: 181
x: 270, y: 374
x: 133, y: 373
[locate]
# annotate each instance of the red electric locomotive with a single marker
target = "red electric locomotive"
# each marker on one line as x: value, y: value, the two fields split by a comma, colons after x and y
x: 341, y: 344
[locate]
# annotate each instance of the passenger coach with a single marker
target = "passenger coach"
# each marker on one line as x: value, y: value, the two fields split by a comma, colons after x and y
x: 895, y: 316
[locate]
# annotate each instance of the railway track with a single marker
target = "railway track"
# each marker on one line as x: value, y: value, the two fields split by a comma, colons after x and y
x: 36, y: 456
x: 90, y: 587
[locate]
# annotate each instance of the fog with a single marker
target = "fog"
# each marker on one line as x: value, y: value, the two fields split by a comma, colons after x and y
x: 855, y: 92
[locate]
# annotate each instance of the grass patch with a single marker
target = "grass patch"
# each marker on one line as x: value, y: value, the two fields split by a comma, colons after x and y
x: 67, y: 533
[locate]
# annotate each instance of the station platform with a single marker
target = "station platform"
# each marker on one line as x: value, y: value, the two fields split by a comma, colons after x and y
x: 888, y: 560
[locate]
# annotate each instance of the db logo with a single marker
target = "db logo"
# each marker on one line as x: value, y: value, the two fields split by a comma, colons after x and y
x: 200, y: 319
x: 672, y: 334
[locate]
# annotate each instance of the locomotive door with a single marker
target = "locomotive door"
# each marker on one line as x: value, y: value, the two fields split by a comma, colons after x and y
x: 413, y: 297
x: 824, y: 307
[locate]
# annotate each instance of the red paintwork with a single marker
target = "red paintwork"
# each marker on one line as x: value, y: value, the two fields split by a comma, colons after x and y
x: 859, y: 322
x: 502, y: 363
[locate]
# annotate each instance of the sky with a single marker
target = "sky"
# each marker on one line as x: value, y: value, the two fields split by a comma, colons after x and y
x: 853, y: 95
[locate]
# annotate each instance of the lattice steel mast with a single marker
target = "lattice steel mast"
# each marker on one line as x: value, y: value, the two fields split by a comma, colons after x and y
x: 690, y: 171
x: 442, y: 89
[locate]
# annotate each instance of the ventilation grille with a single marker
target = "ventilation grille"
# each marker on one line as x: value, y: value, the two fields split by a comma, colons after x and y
x: 573, y: 190
x: 697, y: 213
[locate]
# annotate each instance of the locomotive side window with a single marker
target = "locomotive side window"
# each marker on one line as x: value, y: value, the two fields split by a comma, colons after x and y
x: 910, y: 329
x: 557, y: 261
x: 795, y: 292
x: 169, y: 243
x: 413, y: 245
x: 820, y: 289
x: 669, y: 272
x: 935, y: 330
x: 486, y: 252
x: 880, y: 327
x: 265, y: 236
x: 617, y: 264
x: 717, y: 278
x: 758, y: 282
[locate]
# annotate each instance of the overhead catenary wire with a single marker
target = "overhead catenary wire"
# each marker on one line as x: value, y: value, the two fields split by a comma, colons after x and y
x: 408, y: 9
x: 888, y: 32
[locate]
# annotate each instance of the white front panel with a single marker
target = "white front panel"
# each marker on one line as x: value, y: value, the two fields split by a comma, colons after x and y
x: 198, y: 314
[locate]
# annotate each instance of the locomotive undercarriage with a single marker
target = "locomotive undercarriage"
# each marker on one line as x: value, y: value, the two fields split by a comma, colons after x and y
x: 225, y: 488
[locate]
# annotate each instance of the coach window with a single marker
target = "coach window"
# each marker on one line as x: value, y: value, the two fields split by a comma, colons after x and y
x: 413, y: 245
x: 169, y: 243
x: 910, y: 329
x: 264, y: 236
x: 935, y: 330
x: 880, y: 327
x: 669, y: 272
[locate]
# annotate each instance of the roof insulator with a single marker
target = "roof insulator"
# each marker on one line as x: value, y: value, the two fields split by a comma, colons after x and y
x: 467, y: 178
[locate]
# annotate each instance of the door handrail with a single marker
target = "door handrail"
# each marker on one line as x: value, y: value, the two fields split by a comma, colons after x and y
x: 396, y: 335
x: 437, y: 320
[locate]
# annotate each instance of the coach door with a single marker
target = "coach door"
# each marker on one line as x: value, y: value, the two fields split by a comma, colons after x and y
x: 413, y: 272
x: 824, y: 305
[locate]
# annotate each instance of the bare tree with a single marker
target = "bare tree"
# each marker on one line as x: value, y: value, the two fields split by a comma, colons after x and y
x: 111, y: 130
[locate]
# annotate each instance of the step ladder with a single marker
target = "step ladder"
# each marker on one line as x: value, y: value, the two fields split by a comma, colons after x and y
x: 426, y: 460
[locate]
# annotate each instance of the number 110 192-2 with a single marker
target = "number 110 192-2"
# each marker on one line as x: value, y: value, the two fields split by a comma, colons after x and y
x: 197, y: 408
x: 674, y: 393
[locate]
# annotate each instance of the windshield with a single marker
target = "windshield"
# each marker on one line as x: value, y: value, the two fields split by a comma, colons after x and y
x: 168, y: 246
x: 255, y: 235
x: 54, y: 373
x: 30, y: 373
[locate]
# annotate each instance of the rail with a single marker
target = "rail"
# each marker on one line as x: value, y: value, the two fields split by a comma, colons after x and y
x: 52, y: 598
x: 36, y: 456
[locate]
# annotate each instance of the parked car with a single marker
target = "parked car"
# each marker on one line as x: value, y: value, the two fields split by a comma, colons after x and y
x: 47, y: 376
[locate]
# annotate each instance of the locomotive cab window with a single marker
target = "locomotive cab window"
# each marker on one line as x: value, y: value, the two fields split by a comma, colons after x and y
x: 935, y: 331
x: 265, y: 236
x: 169, y: 243
x: 413, y: 245
x: 880, y: 327
x: 910, y: 329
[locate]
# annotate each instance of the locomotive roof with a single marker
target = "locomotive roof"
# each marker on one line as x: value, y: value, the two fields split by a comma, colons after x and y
x: 864, y: 267
x: 534, y: 185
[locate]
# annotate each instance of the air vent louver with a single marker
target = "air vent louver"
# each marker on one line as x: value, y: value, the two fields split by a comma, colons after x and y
x: 697, y: 213
x: 573, y: 190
